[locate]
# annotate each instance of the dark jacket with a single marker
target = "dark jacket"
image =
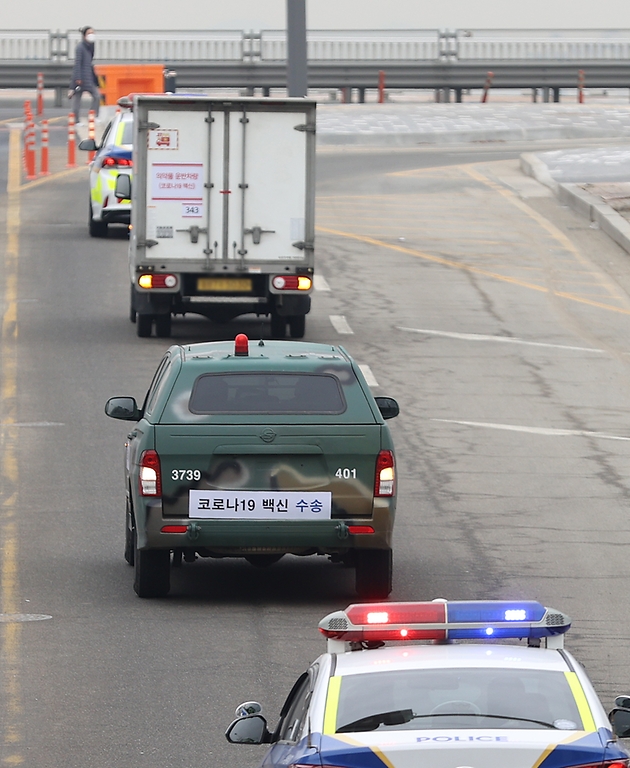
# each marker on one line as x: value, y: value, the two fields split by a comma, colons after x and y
x: 83, y: 69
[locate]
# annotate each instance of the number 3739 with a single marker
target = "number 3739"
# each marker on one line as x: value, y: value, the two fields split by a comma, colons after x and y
x: 186, y: 474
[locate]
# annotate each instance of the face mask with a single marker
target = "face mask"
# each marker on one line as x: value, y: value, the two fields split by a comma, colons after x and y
x: 91, y: 37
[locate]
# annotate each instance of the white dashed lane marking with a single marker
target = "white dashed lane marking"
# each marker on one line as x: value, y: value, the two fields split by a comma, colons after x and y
x: 368, y: 375
x: 506, y: 339
x: 320, y: 283
x: 340, y: 324
x: 535, y: 430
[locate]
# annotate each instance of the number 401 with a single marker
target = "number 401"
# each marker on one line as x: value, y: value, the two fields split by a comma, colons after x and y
x: 346, y: 473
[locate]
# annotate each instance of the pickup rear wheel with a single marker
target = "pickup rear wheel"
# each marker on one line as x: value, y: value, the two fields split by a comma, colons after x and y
x: 152, y: 572
x: 297, y: 326
x: 130, y: 536
x: 373, y: 572
x: 144, y: 324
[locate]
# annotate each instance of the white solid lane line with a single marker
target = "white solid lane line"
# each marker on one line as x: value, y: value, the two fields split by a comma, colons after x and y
x: 320, y: 283
x: 340, y: 324
x: 535, y: 430
x: 507, y: 339
x: 368, y: 375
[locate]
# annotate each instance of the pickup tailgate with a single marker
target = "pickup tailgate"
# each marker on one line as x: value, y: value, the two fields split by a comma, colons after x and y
x: 336, y: 459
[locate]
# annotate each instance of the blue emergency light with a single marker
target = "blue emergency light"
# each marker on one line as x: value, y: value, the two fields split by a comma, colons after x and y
x: 442, y: 620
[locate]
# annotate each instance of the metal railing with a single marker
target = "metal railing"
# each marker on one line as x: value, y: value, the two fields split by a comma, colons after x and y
x: 323, y: 45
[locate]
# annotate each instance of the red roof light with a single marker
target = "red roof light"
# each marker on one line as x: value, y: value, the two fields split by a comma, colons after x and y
x: 241, y: 345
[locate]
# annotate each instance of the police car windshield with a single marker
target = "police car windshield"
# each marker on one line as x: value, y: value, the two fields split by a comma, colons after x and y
x: 427, y: 699
x: 268, y: 393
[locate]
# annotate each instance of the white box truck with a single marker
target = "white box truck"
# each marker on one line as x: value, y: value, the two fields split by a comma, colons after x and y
x: 223, y: 207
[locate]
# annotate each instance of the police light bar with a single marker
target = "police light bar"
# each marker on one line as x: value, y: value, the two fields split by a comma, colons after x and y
x: 443, y: 620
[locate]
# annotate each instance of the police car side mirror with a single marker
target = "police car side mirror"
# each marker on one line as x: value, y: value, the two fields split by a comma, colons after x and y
x: 248, y: 730
x: 88, y: 145
x: 122, y: 190
x: 388, y: 407
x: 124, y: 408
x: 620, y: 719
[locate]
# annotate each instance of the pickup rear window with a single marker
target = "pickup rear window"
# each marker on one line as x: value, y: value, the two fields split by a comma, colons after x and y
x: 273, y: 393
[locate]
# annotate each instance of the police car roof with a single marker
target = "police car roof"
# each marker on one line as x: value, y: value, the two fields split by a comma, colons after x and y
x: 284, y: 351
x: 491, y: 656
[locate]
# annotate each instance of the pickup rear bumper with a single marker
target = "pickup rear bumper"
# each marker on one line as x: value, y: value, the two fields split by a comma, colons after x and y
x: 240, y: 537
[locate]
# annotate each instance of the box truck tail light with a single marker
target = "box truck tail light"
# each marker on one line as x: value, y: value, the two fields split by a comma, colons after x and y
x: 157, y: 280
x: 150, y: 474
x: 292, y: 283
x: 384, y: 484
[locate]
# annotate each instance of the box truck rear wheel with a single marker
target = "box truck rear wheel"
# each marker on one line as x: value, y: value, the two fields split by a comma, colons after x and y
x: 144, y: 324
x: 132, y: 309
x: 163, y: 325
x: 278, y: 326
x: 297, y: 326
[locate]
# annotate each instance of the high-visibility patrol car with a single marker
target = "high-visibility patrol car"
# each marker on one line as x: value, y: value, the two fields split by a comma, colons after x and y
x: 441, y: 704
x: 259, y: 450
x: 113, y: 158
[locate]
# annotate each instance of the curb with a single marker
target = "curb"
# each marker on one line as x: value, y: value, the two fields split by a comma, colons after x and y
x: 582, y: 202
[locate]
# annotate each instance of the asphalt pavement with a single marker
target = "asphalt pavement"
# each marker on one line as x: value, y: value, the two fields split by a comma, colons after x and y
x: 497, y: 317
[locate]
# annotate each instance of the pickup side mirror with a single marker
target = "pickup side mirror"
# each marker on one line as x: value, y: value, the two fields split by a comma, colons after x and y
x: 88, y: 145
x: 388, y: 407
x: 122, y: 190
x: 620, y: 719
x: 124, y: 408
x: 251, y: 729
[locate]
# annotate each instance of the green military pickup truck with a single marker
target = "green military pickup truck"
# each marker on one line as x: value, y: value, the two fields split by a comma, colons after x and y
x: 257, y: 450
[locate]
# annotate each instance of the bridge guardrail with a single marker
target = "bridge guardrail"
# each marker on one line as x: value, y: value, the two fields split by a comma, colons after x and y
x: 323, y: 45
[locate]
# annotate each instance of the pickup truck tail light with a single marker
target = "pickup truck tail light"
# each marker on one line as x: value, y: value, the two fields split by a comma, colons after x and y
x: 150, y: 474
x: 385, y: 481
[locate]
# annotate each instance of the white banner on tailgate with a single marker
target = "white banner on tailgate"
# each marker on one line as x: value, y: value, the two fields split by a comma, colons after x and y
x: 177, y: 181
x: 259, y: 505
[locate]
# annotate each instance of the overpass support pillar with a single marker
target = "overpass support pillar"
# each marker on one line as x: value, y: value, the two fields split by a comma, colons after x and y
x: 59, y: 97
x: 556, y: 95
x: 458, y: 95
x: 361, y: 95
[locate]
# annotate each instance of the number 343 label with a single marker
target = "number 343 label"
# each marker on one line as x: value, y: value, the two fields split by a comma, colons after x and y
x: 192, y: 211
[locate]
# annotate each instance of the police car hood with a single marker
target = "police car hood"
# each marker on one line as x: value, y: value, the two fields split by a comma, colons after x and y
x: 467, y: 749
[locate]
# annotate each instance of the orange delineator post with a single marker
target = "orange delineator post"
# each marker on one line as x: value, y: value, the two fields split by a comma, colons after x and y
x: 91, y: 134
x: 486, y: 87
x: 40, y: 93
x: 29, y: 142
x: 381, y: 87
x: 72, y: 149
x: 581, y: 79
x: 44, y: 169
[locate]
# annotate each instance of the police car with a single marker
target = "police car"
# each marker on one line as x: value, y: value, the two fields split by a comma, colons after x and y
x: 441, y: 704
x: 112, y: 159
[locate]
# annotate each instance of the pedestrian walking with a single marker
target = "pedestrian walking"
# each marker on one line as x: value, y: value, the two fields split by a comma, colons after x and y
x: 84, y: 78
